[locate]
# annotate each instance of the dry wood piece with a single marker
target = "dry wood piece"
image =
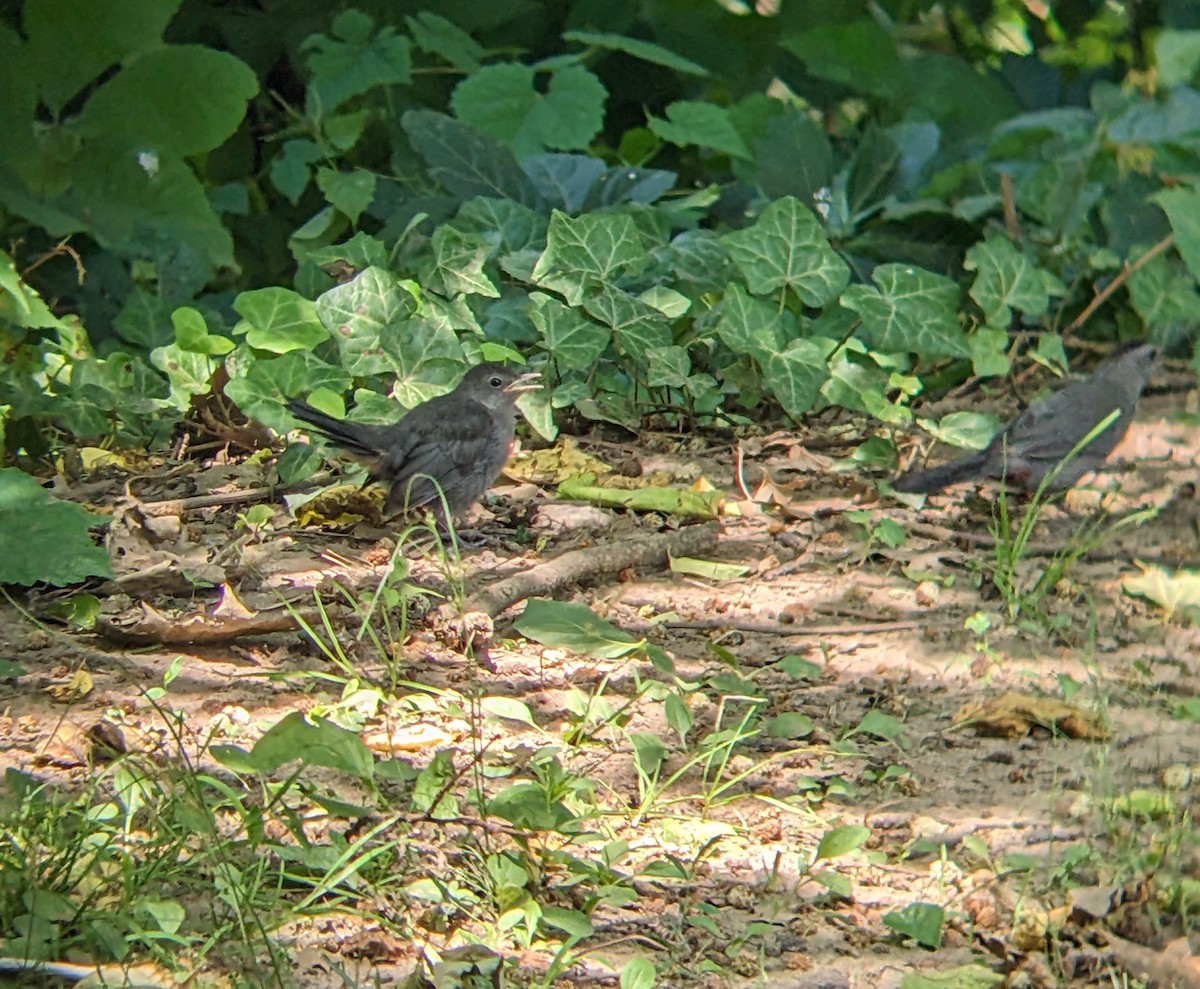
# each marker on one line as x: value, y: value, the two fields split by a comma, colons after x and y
x: 587, y: 565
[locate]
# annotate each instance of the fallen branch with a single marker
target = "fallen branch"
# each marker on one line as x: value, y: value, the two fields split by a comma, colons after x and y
x: 588, y: 565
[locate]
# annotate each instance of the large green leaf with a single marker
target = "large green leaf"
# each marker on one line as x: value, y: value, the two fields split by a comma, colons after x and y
x: 786, y: 247
x: 42, y: 539
x: 911, y: 309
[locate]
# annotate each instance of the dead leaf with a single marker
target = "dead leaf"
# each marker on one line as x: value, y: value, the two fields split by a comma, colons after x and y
x: 78, y: 687
x: 552, y: 465
x: 229, y: 607
x: 1014, y: 715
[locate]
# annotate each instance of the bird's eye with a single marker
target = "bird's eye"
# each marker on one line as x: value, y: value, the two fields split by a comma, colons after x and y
x: 495, y: 381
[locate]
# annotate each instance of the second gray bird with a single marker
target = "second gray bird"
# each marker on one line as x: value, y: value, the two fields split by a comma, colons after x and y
x: 1034, y: 443
x: 455, y: 444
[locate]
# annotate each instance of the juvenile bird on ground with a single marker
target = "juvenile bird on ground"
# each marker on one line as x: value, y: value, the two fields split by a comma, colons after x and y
x: 1034, y: 443
x: 455, y: 444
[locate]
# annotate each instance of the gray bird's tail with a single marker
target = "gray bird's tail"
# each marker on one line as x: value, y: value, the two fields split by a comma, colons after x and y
x: 935, y: 478
x: 353, y: 437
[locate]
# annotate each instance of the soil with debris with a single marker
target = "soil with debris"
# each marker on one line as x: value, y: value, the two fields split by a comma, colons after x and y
x: 966, y: 739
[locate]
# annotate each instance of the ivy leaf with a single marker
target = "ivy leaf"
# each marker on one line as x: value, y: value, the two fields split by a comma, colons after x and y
x: 575, y: 341
x: 358, y: 312
x: 280, y: 320
x: 1006, y: 280
x: 458, y: 264
x: 786, y: 247
x: 795, y: 376
x: 912, y: 310
x: 581, y: 251
x: 636, y: 327
x: 1163, y: 292
x: 669, y: 367
x: 747, y: 325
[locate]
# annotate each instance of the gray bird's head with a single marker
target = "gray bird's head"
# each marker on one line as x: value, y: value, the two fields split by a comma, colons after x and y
x: 1133, y: 361
x: 496, y: 385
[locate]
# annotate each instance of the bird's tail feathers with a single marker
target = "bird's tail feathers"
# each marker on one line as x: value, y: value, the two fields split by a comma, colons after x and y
x: 942, y: 476
x: 350, y: 436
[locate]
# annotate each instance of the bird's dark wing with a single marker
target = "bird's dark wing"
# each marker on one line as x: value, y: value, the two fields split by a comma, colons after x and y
x: 1048, y: 430
x: 460, y: 445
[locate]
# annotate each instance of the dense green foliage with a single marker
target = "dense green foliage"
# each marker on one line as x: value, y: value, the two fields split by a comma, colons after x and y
x: 678, y: 207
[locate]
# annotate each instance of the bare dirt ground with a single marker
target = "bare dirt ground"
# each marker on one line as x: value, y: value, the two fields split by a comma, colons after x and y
x: 950, y: 807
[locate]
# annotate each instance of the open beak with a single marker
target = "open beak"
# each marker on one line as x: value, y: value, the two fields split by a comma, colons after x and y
x: 529, y: 381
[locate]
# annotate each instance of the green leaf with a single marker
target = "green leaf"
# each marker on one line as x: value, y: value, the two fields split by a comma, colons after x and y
x: 859, y: 54
x: 1163, y: 292
x: 582, y: 251
x: 703, y: 124
x: 574, y: 342
x: 70, y: 46
x: 747, y: 325
x: 358, y: 313
x: 192, y: 336
x: 567, y: 116
x: 1176, y: 56
x: 290, y: 173
x: 1182, y: 207
x: 574, y: 627
x: 465, y: 161
x: 794, y: 158
x: 217, y: 85
x: 1006, y: 280
x: 349, y: 192
x: 912, y: 310
x: 920, y: 921
x: 572, y: 922
x: 353, y: 62
x: 799, y: 668
x: 458, y: 264
x: 645, y: 50
x: 881, y: 725
x: 439, y: 36
x: 789, y: 725
x: 508, y: 708
x: 787, y: 248
x: 969, y: 430
x: 42, y: 539
x: 638, y: 973
x: 668, y: 367
x: 497, y: 99
x: 842, y: 841
x: 795, y: 376
x: 280, y: 320
x: 316, y: 743
x: 683, y: 502
x: 636, y: 328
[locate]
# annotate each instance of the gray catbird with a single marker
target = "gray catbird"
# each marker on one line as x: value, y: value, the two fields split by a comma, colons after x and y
x: 1034, y: 443
x: 456, y: 442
